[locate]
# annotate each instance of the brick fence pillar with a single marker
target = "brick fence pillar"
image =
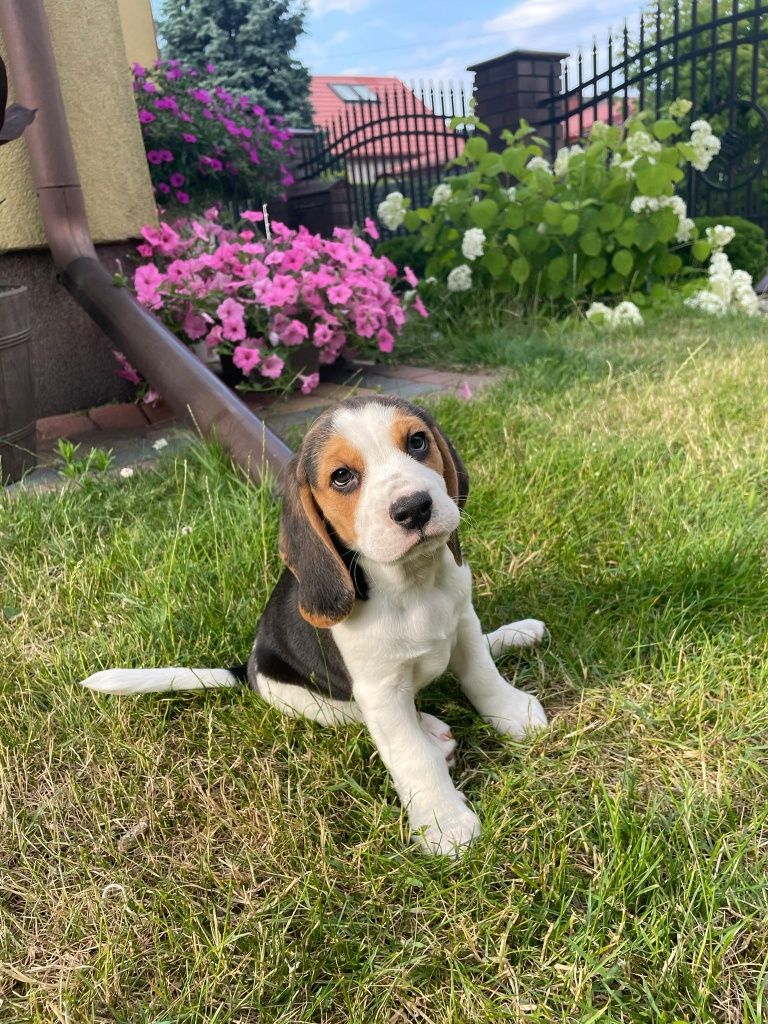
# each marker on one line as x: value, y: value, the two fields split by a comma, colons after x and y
x: 514, y: 86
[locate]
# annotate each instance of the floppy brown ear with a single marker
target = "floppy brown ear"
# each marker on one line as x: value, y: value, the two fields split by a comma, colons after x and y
x: 456, y: 481
x: 326, y: 591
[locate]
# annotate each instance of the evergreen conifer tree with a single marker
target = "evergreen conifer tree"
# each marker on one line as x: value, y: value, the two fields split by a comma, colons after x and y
x: 250, y: 44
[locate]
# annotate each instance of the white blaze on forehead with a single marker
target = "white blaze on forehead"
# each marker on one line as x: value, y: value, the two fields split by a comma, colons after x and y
x: 368, y: 429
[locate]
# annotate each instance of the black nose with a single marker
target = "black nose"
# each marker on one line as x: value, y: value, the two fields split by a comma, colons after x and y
x: 412, y: 512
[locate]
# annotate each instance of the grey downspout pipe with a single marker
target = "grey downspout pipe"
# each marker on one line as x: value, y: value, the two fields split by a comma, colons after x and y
x: 191, y: 389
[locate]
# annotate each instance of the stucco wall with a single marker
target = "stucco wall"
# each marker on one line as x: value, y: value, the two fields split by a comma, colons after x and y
x: 96, y: 85
x: 138, y: 31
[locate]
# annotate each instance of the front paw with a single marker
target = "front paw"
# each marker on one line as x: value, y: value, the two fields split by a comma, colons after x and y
x: 447, y: 830
x: 524, y: 633
x: 516, y: 714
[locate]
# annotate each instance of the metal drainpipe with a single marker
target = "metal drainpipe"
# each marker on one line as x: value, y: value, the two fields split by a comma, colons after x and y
x: 191, y: 389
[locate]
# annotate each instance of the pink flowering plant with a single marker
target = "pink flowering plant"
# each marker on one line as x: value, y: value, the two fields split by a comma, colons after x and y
x: 204, y: 144
x: 262, y: 299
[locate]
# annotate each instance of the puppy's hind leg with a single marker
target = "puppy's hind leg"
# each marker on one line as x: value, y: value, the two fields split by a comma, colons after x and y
x: 515, y: 635
x: 301, y: 702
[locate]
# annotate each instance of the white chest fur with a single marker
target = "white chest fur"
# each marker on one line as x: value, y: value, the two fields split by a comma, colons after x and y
x: 407, y: 629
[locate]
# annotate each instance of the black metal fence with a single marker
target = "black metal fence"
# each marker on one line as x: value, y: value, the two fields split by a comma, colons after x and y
x: 713, y: 53
x: 401, y: 140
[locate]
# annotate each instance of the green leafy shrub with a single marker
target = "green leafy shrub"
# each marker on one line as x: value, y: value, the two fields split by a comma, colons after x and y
x: 602, y: 221
x: 749, y: 248
x: 404, y: 251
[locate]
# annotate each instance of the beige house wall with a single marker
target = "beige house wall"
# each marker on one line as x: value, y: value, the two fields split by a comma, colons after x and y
x: 138, y: 31
x: 95, y: 78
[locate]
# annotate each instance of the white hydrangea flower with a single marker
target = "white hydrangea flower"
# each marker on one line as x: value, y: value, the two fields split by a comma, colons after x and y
x: 719, y: 236
x: 706, y: 302
x: 473, y: 243
x: 441, y: 194
x: 460, y: 278
x: 649, y: 204
x: 512, y: 193
x: 563, y: 159
x: 126, y: 472
x: 392, y: 211
x: 640, y: 143
x: 705, y: 143
x: 599, y: 313
x: 644, y: 204
x: 538, y: 163
x: 680, y: 107
x: 728, y: 289
x: 627, y: 313
x: 685, y: 229
x: 624, y: 165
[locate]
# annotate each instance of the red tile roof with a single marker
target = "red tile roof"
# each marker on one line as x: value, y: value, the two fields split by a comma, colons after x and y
x: 400, y: 125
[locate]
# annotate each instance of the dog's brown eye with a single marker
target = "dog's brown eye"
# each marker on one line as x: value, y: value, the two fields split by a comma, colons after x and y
x: 341, y: 478
x: 417, y: 443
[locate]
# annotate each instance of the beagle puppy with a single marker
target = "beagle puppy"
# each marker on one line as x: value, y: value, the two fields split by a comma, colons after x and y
x: 375, y: 603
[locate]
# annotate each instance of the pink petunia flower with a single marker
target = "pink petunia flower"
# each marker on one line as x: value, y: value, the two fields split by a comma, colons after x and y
x: 385, y: 340
x: 252, y: 215
x: 246, y: 358
x: 410, y: 277
x: 309, y: 383
x: 189, y: 137
x: 272, y: 366
x: 370, y: 229
x: 231, y: 314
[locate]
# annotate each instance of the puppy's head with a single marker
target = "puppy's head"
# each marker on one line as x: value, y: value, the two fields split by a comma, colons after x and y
x: 374, y: 477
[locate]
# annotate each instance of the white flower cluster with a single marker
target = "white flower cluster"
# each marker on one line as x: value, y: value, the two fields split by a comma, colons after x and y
x: 392, y: 211
x: 649, y: 204
x: 563, y: 159
x: 625, y: 165
x: 460, y: 279
x: 642, y: 144
x: 706, y: 145
x: 512, y: 193
x: 473, y: 243
x: 441, y: 194
x: 599, y: 130
x: 719, y: 236
x: 538, y: 163
x: 679, y: 107
x: 728, y: 289
x: 625, y: 314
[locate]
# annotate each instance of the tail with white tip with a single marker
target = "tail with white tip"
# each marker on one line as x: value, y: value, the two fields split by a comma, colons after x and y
x: 129, y: 681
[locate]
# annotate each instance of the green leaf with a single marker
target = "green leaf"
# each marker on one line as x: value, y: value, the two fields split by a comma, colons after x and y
x: 483, y: 213
x: 570, y: 223
x: 665, y: 128
x: 653, y: 180
x: 595, y: 268
x: 701, y: 249
x: 514, y: 216
x: 520, y: 269
x: 557, y: 269
x: 590, y: 243
x: 552, y: 213
x: 622, y: 262
x: 9, y: 612
x: 491, y: 165
x: 646, y: 235
x: 494, y: 261
x: 412, y: 220
x: 512, y: 242
x: 610, y: 217
x: 666, y: 224
x: 668, y: 263
x: 513, y: 158
x: 475, y: 148
x: 627, y: 233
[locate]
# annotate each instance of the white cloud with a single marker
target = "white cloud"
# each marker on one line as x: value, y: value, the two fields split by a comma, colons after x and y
x: 531, y: 14
x: 320, y: 7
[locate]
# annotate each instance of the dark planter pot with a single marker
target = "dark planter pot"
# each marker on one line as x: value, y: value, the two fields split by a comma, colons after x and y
x: 17, y: 400
x: 305, y: 359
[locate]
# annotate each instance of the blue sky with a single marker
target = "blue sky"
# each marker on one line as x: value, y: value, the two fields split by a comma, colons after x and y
x: 437, y: 39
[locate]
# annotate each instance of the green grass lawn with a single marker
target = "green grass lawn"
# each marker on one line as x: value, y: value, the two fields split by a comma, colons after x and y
x: 202, y: 859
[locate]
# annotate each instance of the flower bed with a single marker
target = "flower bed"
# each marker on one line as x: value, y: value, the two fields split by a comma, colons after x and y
x: 204, y: 144
x: 260, y: 299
